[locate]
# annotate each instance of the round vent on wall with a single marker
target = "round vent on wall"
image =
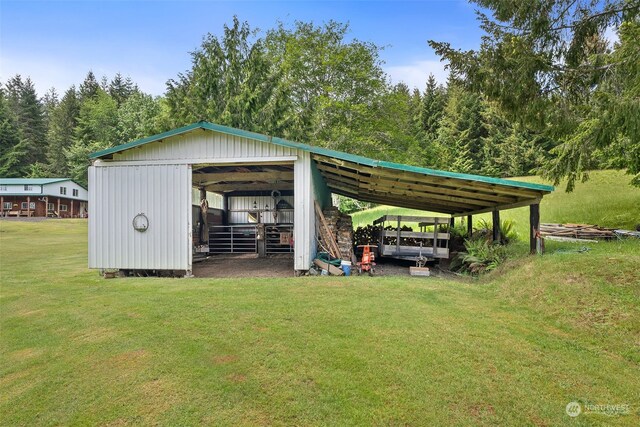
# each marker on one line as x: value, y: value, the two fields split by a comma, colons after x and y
x: 140, y: 222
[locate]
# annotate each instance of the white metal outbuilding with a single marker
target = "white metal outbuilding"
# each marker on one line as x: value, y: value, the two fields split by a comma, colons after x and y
x: 151, y: 180
x: 155, y: 179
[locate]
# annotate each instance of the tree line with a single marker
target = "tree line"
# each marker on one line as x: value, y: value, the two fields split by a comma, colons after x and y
x: 313, y: 84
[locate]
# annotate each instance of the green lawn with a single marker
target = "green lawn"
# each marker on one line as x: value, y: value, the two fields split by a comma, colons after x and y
x: 512, y: 348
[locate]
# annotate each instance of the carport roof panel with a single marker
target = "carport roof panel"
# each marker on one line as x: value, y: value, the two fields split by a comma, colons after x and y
x: 352, y: 158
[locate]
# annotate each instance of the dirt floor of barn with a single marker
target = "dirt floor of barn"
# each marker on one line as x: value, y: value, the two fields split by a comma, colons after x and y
x: 249, y: 265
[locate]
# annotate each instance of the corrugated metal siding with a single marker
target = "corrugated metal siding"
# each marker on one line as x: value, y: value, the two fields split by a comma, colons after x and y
x: 304, y: 231
x: 204, y: 144
x: 267, y: 218
x: 245, y: 203
x: 117, y: 194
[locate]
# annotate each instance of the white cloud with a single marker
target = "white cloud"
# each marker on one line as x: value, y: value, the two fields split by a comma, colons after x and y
x: 415, y: 74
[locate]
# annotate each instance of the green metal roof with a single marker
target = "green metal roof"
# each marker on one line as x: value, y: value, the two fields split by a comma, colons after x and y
x: 320, y: 151
x: 31, y: 181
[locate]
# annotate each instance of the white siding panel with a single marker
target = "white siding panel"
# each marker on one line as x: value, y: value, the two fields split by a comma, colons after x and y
x: 304, y: 231
x: 205, y: 144
x: 117, y: 194
x: 54, y: 190
x: 36, y: 189
x: 239, y: 205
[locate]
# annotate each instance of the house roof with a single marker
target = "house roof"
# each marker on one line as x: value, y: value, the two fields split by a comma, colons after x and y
x: 386, y: 182
x: 31, y: 181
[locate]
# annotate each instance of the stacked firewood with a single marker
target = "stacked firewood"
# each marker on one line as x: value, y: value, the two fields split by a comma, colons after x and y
x: 576, y: 231
x: 404, y: 241
x: 341, y: 226
x: 366, y: 235
x: 344, y: 236
x: 369, y: 235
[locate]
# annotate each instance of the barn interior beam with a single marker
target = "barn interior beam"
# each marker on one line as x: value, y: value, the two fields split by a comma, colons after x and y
x: 250, y: 186
x: 230, y: 176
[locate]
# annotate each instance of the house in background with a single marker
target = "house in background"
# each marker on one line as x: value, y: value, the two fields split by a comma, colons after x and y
x: 40, y: 197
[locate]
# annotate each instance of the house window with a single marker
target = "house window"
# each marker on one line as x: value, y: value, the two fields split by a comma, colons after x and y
x: 3, y: 188
x: 63, y: 190
x: 75, y: 192
x: 7, y: 205
x: 28, y: 187
x: 50, y: 207
x: 30, y: 205
x: 63, y: 208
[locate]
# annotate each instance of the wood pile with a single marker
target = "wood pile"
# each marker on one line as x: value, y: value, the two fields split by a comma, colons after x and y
x: 369, y: 235
x: 340, y: 225
x: 576, y: 231
x: 366, y: 235
x: 404, y: 241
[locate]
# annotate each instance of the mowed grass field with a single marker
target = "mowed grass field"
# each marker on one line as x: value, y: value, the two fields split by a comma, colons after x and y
x: 512, y: 348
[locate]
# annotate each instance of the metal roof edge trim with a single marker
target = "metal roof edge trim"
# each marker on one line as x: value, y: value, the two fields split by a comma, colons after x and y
x: 322, y: 152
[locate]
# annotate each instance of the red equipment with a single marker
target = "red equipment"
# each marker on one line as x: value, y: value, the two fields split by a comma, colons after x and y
x: 368, y: 257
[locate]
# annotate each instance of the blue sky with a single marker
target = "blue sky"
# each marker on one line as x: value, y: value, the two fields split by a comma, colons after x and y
x: 56, y: 43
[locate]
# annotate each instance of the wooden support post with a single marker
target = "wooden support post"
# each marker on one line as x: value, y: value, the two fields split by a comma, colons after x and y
x: 469, y: 225
x: 534, y: 227
x: 46, y: 206
x: 59, y: 216
x: 435, y: 236
x: 1, y: 205
x: 28, y: 206
x: 71, y: 212
x: 398, y: 237
x: 203, y: 230
x: 496, y: 225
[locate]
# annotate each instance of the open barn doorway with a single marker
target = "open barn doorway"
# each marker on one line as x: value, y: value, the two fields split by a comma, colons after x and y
x: 243, y: 219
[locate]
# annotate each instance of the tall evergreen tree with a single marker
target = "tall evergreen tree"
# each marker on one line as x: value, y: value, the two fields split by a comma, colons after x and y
x: 548, y: 66
x: 61, y: 132
x: 462, y: 132
x: 28, y: 115
x: 231, y: 82
x: 121, y: 89
x: 9, y: 139
x: 89, y: 87
x: 433, y: 103
x: 49, y: 103
x: 95, y: 131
